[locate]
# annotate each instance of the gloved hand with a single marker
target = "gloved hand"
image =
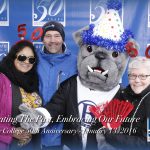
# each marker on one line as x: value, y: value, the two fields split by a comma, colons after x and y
x: 29, y: 118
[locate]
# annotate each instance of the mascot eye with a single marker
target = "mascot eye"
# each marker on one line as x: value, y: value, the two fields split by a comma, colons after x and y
x: 115, y: 54
x: 89, y: 48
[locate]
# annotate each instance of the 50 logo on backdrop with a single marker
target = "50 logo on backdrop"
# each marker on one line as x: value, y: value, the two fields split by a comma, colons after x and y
x: 4, y: 48
x: 38, y: 46
x: 48, y: 10
x: 98, y: 8
x: 4, y: 13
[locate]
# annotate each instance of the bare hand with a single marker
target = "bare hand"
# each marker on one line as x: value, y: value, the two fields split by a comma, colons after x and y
x: 21, y: 134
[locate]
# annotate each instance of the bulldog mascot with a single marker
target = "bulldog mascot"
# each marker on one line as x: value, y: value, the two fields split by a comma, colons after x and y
x: 103, y: 56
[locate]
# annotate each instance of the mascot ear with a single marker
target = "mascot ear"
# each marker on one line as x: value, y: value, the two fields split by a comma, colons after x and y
x: 132, y: 48
x: 77, y: 35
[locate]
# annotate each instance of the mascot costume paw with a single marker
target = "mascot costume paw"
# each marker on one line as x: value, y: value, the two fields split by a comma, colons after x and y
x: 103, y: 56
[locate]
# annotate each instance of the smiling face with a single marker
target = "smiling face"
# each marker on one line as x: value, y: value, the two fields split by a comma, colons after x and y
x: 99, y: 68
x: 137, y: 84
x: 53, y: 42
x: 24, y: 66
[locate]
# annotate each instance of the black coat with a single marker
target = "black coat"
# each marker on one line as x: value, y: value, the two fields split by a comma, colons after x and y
x: 124, y: 139
x: 64, y: 102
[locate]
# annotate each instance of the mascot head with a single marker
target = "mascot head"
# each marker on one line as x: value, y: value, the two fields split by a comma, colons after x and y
x: 104, y: 50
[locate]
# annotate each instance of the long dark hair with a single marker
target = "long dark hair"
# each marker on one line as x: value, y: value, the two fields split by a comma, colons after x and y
x: 28, y: 81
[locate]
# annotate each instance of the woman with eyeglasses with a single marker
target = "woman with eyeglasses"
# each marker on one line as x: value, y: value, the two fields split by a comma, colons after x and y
x: 133, y: 132
x: 18, y: 84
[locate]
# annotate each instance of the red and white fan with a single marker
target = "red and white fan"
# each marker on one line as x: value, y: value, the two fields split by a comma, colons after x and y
x: 112, y: 114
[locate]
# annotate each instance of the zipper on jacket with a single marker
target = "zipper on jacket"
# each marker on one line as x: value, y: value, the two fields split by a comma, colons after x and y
x: 58, y: 79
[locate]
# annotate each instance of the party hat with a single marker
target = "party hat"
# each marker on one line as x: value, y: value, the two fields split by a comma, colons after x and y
x: 109, y: 31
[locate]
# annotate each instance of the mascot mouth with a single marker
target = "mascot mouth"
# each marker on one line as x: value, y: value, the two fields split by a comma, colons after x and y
x: 98, y: 70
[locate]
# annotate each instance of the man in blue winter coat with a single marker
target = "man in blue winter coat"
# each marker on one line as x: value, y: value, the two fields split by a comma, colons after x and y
x: 56, y: 64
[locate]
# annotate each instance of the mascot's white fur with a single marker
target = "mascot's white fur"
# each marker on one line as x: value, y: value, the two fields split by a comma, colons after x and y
x: 102, y: 61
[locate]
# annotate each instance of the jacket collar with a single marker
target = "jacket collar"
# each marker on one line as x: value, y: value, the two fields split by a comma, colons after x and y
x: 129, y: 91
x: 55, y: 58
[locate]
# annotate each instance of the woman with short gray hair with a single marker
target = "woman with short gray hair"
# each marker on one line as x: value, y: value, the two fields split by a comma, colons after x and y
x: 133, y: 132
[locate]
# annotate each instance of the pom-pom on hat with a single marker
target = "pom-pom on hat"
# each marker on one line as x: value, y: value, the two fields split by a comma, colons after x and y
x: 53, y: 26
x: 109, y: 31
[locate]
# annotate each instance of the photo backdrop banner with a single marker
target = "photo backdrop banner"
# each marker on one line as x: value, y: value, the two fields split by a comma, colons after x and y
x: 73, y: 15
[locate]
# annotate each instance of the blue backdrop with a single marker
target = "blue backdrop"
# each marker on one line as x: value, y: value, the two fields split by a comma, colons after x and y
x: 73, y: 15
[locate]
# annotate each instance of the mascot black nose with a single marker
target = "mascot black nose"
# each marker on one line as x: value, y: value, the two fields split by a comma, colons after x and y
x: 100, y: 55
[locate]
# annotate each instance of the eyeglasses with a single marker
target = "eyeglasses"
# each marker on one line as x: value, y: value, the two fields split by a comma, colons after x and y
x: 23, y: 58
x: 141, y: 76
